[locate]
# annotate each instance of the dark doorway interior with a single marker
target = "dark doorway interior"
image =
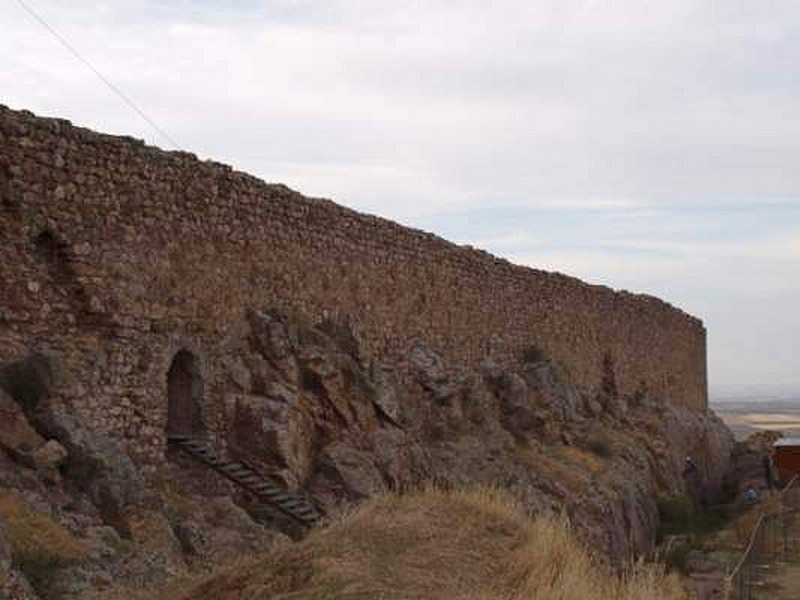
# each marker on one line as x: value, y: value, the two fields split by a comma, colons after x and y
x: 183, y: 388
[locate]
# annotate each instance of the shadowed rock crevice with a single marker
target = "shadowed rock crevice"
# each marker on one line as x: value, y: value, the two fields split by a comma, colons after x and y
x: 28, y: 380
x: 7, y: 201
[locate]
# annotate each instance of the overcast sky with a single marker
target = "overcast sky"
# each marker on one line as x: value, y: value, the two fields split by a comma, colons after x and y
x: 651, y: 146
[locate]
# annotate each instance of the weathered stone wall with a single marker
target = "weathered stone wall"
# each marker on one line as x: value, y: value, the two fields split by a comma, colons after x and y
x: 115, y: 255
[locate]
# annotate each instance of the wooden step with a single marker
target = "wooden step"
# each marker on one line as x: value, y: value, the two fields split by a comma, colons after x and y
x: 270, y: 492
x: 194, y: 445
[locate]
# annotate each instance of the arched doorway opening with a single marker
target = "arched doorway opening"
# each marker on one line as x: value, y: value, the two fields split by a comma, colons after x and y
x: 184, y: 391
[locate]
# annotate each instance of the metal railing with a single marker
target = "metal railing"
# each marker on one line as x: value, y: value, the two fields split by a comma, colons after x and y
x: 774, y: 541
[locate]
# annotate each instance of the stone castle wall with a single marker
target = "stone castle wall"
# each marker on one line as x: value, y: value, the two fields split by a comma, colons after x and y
x: 115, y: 255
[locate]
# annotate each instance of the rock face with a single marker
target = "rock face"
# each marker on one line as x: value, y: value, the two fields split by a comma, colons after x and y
x: 303, y: 406
x: 317, y: 418
x: 751, y: 460
x: 97, y: 464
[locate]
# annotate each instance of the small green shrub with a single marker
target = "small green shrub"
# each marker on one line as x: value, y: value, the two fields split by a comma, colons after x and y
x: 679, y: 515
x: 676, y: 553
x: 40, y: 567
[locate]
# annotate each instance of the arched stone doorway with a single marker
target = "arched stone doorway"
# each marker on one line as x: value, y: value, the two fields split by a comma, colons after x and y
x: 183, y: 390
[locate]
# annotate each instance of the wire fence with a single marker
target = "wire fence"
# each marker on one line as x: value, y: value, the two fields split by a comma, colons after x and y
x: 774, y: 541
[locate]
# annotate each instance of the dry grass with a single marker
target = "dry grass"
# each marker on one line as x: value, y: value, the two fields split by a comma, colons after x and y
x: 745, y: 523
x: 584, y: 459
x: 39, y: 545
x: 460, y: 545
x: 554, y: 466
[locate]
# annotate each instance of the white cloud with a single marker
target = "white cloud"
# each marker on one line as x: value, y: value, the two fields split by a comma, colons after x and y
x: 782, y: 246
x: 624, y: 114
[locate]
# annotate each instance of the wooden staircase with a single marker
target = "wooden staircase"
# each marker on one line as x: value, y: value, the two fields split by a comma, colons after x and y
x: 264, y: 489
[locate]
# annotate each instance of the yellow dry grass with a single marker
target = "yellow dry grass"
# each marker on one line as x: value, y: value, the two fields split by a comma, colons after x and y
x: 554, y: 466
x: 34, y: 533
x: 40, y: 546
x: 453, y: 545
x: 584, y: 459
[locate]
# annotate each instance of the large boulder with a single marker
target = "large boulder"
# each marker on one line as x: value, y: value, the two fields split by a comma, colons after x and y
x: 386, y: 398
x: 275, y: 338
x: 340, y: 387
x: 440, y: 380
x: 344, y: 472
x: 50, y: 455
x: 552, y: 389
x: 97, y: 463
x: 213, y: 528
x: 273, y: 432
x: 752, y: 464
x: 701, y: 437
x: 518, y: 414
x: 304, y: 387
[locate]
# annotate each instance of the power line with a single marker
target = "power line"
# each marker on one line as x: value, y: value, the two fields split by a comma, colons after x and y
x: 160, y: 130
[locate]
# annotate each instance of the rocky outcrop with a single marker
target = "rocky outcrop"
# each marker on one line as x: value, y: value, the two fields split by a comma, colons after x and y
x: 751, y: 459
x: 85, y: 519
x: 98, y: 465
x: 313, y: 415
x: 303, y: 406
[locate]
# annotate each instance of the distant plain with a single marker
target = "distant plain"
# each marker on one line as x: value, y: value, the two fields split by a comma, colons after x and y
x: 745, y: 416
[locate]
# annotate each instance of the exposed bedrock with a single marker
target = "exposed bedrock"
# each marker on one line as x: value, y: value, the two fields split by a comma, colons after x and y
x: 312, y: 414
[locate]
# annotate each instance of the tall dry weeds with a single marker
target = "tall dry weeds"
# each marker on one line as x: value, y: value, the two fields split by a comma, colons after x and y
x: 475, y: 544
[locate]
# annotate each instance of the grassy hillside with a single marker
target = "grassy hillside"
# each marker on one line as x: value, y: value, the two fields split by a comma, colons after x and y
x: 474, y: 544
